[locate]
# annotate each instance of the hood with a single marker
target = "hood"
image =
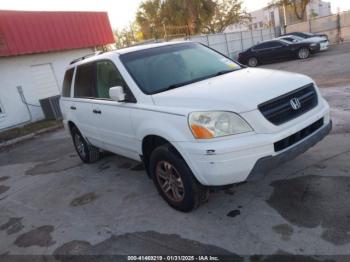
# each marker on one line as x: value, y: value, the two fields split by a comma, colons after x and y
x: 239, y: 91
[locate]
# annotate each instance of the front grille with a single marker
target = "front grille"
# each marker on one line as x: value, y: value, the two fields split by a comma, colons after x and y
x: 295, y: 138
x: 280, y: 110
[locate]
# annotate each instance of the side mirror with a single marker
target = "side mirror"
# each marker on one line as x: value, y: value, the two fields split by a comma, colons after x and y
x: 116, y: 93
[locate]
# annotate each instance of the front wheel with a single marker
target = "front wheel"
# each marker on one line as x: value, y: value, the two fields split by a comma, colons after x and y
x: 303, y: 53
x: 175, y: 181
x: 253, y: 62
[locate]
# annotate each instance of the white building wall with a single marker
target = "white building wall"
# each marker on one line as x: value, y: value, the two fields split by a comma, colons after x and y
x: 39, y: 75
x: 318, y: 7
x: 262, y: 18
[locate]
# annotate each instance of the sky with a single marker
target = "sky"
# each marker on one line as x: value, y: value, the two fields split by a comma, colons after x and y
x: 121, y: 12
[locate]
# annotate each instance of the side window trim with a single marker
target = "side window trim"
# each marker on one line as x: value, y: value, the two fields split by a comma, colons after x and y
x: 132, y: 98
x: 73, y: 83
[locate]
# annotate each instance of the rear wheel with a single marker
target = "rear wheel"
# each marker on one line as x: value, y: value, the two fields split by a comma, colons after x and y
x: 303, y: 53
x: 86, y: 152
x: 175, y: 181
x: 253, y: 62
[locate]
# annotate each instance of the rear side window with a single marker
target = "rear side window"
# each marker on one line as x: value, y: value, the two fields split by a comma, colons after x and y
x: 84, y: 81
x: 262, y: 46
x: 67, y: 83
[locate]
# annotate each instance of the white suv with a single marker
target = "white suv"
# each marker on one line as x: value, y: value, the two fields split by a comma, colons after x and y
x: 193, y: 116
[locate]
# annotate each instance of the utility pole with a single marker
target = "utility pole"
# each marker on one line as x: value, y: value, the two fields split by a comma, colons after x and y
x: 284, y: 19
x: 339, y: 38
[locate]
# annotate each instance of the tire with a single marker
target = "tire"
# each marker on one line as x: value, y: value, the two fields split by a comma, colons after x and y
x: 171, y: 174
x: 303, y: 53
x: 252, y: 62
x: 86, y: 152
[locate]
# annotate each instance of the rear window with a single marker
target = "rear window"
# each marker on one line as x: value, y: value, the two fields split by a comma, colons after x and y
x: 84, y: 81
x: 67, y: 83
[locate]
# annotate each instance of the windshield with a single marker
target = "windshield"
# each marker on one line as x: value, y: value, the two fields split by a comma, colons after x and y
x: 292, y: 38
x: 298, y: 38
x: 308, y: 34
x: 162, y: 68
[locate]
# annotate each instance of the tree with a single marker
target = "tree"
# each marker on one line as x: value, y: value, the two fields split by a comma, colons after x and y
x: 149, y: 18
x: 299, y: 6
x: 192, y: 14
x: 226, y: 12
x: 196, y: 16
x: 124, y: 37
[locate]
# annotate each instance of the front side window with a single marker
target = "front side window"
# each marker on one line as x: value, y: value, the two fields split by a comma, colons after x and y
x: 276, y: 44
x: 107, y: 76
x: 85, y: 81
x: 67, y: 82
x: 162, y: 68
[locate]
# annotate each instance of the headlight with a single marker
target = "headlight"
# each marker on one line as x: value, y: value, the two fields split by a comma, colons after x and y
x: 313, y: 45
x: 205, y: 125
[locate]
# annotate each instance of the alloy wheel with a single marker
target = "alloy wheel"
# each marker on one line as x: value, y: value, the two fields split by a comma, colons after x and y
x: 303, y: 53
x: 79, y: 143
x: 170, y: 181
x: 253, y: 62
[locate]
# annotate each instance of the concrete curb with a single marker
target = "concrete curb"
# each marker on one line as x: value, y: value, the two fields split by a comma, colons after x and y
x: 29, y: 136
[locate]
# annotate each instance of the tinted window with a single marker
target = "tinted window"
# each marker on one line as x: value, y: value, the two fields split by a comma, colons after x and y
x: 158, y: 69
x: 300, y: 35
x: 288, y: 39
x: 107, y: 76
x: 84, y: 81
x: 275, y: 44
x: 262, y: 46
x: 67, y: 83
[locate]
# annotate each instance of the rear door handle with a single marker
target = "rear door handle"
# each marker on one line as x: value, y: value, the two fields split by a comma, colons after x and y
x: 73, y: 108
x: 96, y: 111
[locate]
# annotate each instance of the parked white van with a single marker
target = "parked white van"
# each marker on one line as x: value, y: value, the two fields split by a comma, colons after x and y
x: 194, y: 117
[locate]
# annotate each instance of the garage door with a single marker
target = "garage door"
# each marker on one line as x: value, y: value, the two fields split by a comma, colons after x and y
x: 45, y: 82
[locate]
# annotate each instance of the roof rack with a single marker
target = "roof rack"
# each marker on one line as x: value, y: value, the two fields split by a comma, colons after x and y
x: 84, y: 57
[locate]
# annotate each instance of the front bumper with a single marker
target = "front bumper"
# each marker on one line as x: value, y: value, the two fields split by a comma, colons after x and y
x: 269, y: 162
x: 315, y: 49
x: 232, y: 160
x: 324, y: 46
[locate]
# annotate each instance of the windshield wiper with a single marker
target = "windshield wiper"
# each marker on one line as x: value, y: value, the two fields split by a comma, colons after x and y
x: 186, y: 83
x: 224, y: 72
x: 173, y: 86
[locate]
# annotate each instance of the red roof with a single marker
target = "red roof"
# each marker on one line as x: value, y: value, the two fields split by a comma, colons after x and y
x: 23, y: 32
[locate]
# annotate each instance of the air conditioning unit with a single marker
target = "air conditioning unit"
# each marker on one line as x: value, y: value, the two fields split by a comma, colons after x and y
x: 51, y: 107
